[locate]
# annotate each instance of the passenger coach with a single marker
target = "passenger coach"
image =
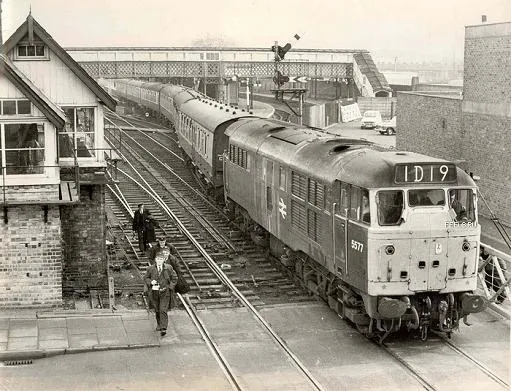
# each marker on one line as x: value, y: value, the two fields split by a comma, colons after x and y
x: 201, y: 135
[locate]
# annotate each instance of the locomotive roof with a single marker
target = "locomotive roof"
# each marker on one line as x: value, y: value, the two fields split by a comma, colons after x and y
x: 327, y: 157
x: 211, y: 114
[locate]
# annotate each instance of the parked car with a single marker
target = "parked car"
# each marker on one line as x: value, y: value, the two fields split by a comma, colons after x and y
x: 388, y: 127
x: 371, y: 119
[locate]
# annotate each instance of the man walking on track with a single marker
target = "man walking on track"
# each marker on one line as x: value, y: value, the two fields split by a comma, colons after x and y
x: 139, y: 219
x: 161, y: 279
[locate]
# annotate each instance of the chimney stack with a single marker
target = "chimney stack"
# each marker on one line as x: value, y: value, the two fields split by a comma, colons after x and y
x: 483, y: 18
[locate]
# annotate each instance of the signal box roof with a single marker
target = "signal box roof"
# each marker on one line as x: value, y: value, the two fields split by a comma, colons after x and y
x: 30, y: 28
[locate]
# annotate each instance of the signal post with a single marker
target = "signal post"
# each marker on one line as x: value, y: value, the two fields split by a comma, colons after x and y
x: 280, y: 79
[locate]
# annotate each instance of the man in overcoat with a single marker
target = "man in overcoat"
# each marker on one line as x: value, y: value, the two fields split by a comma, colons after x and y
x: 161, y: 279
x: 139, y: 218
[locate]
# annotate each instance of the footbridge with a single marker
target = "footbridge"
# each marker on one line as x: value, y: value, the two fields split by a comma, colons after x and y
x: 353, y: 71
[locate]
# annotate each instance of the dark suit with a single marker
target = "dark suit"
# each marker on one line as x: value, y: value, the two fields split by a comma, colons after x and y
x: 139, y: 227
x: 167, y: 280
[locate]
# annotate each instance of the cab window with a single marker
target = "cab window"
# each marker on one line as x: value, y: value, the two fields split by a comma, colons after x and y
x: 461, y: 204
x: 355, y: 203
x: 345, y: 199
x: 426, y: 197
x: 365, y: 214
x: 389, y: 206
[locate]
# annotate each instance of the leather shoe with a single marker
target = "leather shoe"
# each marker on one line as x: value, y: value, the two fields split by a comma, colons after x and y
x: 163, y: 332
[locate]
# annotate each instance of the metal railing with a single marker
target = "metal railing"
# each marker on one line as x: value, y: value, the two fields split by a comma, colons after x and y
x: 494, y: 277
x: 26, y: 170
x: 110, y: 156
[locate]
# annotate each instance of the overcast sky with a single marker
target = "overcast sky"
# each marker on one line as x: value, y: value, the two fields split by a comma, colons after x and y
x: 412, y: 30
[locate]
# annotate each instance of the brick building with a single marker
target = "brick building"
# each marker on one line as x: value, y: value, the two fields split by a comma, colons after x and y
x: 53, y: 172
x: 475, y: 129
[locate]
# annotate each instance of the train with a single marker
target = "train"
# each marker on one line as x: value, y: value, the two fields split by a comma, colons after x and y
x: 389, y: 239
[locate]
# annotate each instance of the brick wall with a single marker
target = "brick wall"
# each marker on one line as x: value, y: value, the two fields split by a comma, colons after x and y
x: 487, y: 63
x: 480, y: 141
x: 30, y: 257
x: 83, y: 235
x: 487, y: 148
x: 430, y: 125
x: 35, y: 193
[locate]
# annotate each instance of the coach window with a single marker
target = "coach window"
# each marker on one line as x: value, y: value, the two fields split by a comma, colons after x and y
x: 390, y: 207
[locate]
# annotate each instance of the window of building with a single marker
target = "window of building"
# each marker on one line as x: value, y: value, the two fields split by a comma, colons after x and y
x: 37, y: 50
x: 15, y: 107
x: 22, y: 148
x: 78, y: 134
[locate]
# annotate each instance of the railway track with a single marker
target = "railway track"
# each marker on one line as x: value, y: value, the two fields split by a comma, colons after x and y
x: 194, y: 253
x: 246, y: 264
x: 433, y: 362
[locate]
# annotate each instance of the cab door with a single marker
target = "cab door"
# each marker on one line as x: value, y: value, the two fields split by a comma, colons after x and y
x: 269, y: 196
x: 340, y: 217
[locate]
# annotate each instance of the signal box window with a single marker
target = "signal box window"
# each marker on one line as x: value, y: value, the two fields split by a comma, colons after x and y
x: 78, y: 134
x: 389, y: 207
x: 22, y: 149
x: 426, y: 197
x: 461, y: 205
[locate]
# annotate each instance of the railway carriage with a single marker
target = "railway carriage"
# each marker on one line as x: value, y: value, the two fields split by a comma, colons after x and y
x: 170, y: 97
x: 201, y: 133
x: 150, y: 96
x: 390, y: 239
x: 133, y: 91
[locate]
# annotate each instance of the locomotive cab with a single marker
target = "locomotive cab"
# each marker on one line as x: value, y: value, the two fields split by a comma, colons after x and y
x: 413, y: 257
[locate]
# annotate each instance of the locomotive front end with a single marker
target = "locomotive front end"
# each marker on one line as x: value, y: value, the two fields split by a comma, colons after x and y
x: 423, y: 250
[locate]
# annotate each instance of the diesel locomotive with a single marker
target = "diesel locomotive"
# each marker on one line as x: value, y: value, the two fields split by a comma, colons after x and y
x: 388, y: 238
